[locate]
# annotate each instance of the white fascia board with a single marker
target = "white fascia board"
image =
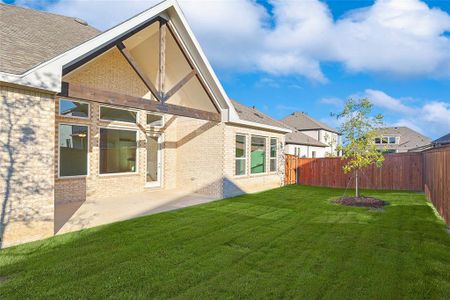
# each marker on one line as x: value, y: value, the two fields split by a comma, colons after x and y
x: 187, y: 35
x: 259, y: 125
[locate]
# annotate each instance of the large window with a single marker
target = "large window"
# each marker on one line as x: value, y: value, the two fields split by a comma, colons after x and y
x: 117, y: 151
x: 241, y: 155
x: 258, y: 155
x: 273, y: 155
x: 74, y: 109
x: 73, y: 150
x: 116, y: 114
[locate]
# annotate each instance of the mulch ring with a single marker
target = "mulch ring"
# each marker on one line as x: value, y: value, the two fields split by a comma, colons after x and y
x: 361, y: 201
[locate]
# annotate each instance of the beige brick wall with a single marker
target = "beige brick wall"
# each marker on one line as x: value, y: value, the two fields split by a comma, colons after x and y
x: 26, y: 164
x: 200, y: 160
x: 250, y: 183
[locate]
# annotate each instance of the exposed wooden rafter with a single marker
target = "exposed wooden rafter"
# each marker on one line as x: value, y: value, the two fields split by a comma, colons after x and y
x: 162, y: 58
x: 179, y: 85
x: 138, y: 70
x: 82, y: 92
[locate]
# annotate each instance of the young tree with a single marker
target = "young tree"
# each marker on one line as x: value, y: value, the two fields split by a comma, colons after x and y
x: 359, y: 129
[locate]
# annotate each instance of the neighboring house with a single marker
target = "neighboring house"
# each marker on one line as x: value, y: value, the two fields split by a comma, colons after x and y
x: 442, y: 141
x: 327, y: 137
x: 302, y: 145
x: 87, y: 115
x: 400, y: 139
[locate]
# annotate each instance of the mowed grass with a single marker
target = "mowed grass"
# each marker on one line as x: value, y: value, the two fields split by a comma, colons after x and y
x: 291, y: 242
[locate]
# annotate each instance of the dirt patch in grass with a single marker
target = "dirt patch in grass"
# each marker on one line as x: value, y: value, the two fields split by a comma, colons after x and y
x: 361, y: 201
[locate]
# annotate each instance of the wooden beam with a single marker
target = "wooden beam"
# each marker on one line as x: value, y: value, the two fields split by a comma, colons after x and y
x: 138, y: 70
x: 162, y: 58
x: 179, y: 85
x: 85, y: 59
x: 81, y: 92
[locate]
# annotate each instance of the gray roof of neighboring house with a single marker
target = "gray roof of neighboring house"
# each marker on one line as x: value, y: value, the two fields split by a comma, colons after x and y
x: 301, y: 121
x: 409, y: 138
x: 299, y: 138
x: 30, y: 37
x: 443, y: 139
x: 253, y: 115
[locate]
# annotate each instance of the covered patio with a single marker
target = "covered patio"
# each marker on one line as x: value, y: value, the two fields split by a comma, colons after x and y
x: 73, y: 216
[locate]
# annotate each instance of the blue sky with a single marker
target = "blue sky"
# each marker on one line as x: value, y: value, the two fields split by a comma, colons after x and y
x: 285, y: 56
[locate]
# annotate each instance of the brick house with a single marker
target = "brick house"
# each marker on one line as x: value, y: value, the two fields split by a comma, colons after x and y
x: 88, y: 115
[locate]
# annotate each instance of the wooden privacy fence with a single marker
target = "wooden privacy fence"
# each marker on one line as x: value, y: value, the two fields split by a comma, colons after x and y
x: 399, y: 172
x: 436, y: 165
x: 428, y: 171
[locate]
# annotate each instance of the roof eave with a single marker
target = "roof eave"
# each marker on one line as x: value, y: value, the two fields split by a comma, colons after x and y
x: 259, y: 125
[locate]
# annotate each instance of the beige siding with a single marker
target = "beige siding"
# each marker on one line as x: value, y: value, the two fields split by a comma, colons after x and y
x: 26, y: 164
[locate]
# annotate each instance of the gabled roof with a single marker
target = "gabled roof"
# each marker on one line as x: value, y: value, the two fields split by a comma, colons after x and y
x: 443, y: 139
x: 253, y: 115
x: 30, y: 37
x: 47, y: 68
x: 408, y: 138
x: 301, y: 121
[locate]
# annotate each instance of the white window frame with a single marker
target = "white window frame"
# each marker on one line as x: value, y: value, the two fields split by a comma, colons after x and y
x: 163, y: 120
x: 245, y: 158
x: 265, y: 157
x: 74, y: 117
x: 115, y: 121
x: 59, y: 151
x: 276, y: 154
x: 99, y: 150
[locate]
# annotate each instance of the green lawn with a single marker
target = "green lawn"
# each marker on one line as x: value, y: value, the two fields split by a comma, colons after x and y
x: 284, y: 243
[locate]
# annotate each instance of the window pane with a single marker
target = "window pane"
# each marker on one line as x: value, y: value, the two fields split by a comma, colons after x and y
x: 377, y: 140
x: 384, y: 140
x: 240, y: 146
x: 273, y: 165
x: 154, y: 120
x: 258, y: 155
x: 240, y: 166
x: 73, y: 150
x: 392, y: 140
x: 273, y: 147
x: 68, y: 108
x: 115, y: 114
x: 117, y: 151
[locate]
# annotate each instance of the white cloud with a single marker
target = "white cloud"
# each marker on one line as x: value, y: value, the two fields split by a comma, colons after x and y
x: 332, y: 101
x: 398, y: 38
x: 432, y: 118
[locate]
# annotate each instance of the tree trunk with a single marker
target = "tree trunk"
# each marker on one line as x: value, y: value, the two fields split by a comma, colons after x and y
x: 356, y: 184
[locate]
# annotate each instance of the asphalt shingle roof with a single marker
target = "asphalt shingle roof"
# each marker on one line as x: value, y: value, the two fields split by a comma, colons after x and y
x: 301, y: 121
x: 409, y: 138
x: 253, y: 115
x: 443, y: 139
x: 30, y: 37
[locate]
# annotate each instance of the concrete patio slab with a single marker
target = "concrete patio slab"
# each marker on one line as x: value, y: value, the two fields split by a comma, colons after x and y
x: 78, y: 215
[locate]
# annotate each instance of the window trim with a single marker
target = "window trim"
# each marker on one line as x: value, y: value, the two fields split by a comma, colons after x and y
x: 265, y: 158
x: 241, y: 158
x: 276, y: 154
x: 88, y: 164
x: 99, y: 151
x: 74, y: 100
x: 113, y: 122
